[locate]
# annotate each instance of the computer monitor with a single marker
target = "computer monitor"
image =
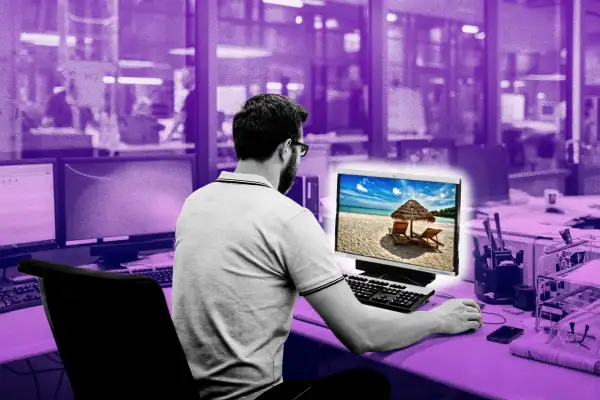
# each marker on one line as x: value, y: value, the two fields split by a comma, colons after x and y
x: 123, y: 205
x: 512, y: 107
x: 426, y: 151
x: 405, y: 227
x: 547, y: 111
x: 487, y: 168
x: 27, y: 207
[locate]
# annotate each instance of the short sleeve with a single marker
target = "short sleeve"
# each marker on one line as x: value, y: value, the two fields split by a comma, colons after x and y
x: 307, y: 255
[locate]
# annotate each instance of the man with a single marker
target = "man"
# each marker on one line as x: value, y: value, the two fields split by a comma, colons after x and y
x: 244, y: 252
x: 187, y: 115
x: 59, y: 109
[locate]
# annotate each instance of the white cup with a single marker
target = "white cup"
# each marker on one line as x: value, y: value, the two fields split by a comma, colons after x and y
x: 551, y: 197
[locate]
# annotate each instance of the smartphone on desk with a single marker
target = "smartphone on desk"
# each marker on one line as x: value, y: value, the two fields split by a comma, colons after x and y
x: 505, y: 334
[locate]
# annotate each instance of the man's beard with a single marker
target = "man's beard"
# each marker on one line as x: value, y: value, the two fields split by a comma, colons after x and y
x: 287, y: 177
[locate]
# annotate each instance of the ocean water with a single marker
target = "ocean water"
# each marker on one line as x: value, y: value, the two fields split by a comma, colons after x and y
x: 385, y: 213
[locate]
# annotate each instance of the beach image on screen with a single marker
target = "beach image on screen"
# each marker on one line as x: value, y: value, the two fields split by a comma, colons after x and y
x: 398, y: 220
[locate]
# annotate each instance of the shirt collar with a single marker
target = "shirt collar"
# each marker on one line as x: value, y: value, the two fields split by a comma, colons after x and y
x: 248, y: 179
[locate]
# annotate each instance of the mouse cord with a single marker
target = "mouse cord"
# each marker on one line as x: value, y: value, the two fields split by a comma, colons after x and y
x: 502, y: 322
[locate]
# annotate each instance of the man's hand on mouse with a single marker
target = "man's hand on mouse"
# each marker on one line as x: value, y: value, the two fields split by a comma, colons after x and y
x: 458, y: 315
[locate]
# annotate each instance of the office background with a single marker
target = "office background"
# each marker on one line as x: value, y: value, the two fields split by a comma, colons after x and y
x: 399, y: 80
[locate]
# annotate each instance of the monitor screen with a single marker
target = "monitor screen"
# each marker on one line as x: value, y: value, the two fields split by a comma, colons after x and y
x: 547, y: 110
x: 487, y: 168
x: 114, y: 199
x: 399, y: 220
x: 425, y: 152
x: 512, y: 107
x: 27, y: 206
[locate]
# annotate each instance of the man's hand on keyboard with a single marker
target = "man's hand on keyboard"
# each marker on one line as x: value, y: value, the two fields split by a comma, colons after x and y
x: 458, y: 315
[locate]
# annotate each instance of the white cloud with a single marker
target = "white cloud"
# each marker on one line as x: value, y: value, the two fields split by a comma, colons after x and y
x: 396, y: 192
x: 361, y: 188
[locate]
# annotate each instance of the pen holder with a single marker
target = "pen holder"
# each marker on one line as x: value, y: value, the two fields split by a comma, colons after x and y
x: 496, y: 285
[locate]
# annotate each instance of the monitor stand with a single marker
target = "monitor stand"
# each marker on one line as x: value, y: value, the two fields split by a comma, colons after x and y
x: 395, y: 274
x: 113, y: 256
x: 11, y: 262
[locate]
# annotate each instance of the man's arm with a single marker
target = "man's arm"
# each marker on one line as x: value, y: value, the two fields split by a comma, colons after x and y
x: 364, y: 329
x: 313, y: 269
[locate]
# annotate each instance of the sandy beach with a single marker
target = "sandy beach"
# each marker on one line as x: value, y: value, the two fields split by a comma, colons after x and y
x: 368, y: 235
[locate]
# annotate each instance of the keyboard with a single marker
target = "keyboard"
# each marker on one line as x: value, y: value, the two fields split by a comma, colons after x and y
x: 386, y: 294
x: 16, y: 297
x: 163, y: 275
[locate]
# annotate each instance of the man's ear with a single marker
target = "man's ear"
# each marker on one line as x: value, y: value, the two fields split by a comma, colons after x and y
x: 281, y: 151
x: 283, y: 147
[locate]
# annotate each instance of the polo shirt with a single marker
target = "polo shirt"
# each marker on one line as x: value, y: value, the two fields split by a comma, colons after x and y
x: 243, y: 253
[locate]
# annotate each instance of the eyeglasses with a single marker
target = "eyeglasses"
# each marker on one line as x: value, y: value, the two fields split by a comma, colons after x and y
x: 303, y: 147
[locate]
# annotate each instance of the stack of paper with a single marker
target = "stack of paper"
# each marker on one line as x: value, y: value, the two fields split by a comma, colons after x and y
x: 556, y: 350
x: 587, y: 274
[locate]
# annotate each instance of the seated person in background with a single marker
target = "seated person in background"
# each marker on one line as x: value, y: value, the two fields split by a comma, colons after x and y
x: 141, y: 127
x: 244, y: 252
x: 60, y: 107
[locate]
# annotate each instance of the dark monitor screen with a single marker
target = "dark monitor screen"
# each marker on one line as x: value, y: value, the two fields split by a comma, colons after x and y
x: 487, y: 169
x: 115, y: 199
x: 548, y: 110
x: 27, y: 206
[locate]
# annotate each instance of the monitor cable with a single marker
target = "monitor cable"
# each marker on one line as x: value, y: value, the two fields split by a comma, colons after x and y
x: 34, y: 374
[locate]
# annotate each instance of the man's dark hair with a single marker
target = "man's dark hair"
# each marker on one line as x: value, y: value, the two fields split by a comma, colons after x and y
x: 264, y: 122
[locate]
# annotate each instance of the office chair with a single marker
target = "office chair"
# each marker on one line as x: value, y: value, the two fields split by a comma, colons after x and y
x: 114, y: 334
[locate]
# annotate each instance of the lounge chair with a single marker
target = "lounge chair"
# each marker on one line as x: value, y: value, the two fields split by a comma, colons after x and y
x: 398, y: 231
x: 430, y: 234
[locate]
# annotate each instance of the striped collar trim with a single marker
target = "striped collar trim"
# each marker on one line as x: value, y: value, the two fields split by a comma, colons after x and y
x: 244, y: 179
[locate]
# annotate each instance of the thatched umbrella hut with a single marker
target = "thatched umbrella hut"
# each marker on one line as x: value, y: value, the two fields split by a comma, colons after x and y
x: 412, y: 211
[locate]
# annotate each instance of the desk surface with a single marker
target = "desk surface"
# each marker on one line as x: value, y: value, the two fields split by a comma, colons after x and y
x: 534, y: 211
x: 470, y: 362
x: 467, y: 362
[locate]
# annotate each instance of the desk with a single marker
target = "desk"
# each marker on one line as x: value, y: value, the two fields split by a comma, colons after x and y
x: 467, y: 362
x: 535, y: 210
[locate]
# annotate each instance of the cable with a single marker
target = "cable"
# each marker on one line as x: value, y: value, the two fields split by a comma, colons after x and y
x: 496, y: 314
x: 42, y: 371
x: 48, y: 356
x: 442, y: 294
x: 38, y: 395
x: 60, y: 380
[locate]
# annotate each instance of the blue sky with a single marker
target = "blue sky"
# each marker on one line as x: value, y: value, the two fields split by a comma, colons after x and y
x: 389, y: 194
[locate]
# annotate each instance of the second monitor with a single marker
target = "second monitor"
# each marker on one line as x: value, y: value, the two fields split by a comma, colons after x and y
x: 110, y: 201
x: 401, y: 226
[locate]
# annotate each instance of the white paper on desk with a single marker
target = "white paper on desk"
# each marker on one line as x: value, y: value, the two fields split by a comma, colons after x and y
x: 557, y: 353
x: 588, y: 273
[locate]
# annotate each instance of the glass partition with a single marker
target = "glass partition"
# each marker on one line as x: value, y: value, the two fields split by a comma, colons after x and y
x: 533, y: 59
x: 311, y: 51
x: 102, y: 78
x: 435, y: 76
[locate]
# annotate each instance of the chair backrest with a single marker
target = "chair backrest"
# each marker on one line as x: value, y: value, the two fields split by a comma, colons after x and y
x: 400, y: 227
x: 430, y: 233
x: 114, y: 334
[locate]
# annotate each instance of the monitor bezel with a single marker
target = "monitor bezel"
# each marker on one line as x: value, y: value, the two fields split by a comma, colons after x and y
x: 132, y: 239
x: 396, y: 264
x: 52, y: 244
